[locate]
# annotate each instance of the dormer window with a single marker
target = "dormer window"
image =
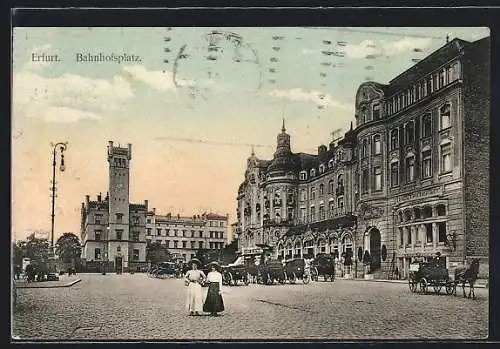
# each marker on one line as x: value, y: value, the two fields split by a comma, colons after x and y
x: 376, y: 112
x: 330, y: 163
x: 313, y: 172
x: 303, y: 175
x: 445, y: 116
x: 321, y: 168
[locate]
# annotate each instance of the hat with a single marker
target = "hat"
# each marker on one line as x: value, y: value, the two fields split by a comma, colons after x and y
x: 216, y: 264
x: 195, y: 260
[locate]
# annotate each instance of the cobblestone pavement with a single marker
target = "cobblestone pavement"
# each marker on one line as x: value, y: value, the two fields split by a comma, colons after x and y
x: 135, y: 306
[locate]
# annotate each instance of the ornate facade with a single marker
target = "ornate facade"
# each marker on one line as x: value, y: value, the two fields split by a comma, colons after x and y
x: 408, y: 182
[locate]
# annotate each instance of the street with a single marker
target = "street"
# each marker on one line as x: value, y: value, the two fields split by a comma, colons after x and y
x: 102, y: 307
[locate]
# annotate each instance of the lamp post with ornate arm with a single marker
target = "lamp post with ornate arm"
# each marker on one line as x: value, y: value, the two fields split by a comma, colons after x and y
x: 61, y: 147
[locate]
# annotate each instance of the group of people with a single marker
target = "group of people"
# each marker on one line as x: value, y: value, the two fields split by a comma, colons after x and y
x: 194, y: 279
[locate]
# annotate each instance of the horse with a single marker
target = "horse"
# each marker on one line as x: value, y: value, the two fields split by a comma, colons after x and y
x: 467, y: 274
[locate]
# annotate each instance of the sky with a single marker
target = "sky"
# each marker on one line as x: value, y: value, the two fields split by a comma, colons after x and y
x: 191, y: 101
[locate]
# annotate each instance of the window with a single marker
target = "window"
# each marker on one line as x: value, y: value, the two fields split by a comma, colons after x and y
x: 313, y: 172
x: 192, y: 233
x: 376, y: 112
x: 428, y: 232
x: 211, y: 234
x: 377, y: 174
x: 175, y: 243
x: 428, y: 86
x: 119, y: 217
x: 148, y: 220
x: 442, y: 77
x: 221, y: 224
x: 441, y: 210
x: 313, y: 213
x: 119, y: 234
x: 321, y: 189
x: 340, y: 204
x: 377, y: 149
x: 158, y: 232
x: 409, y: 133
x: 321, y: 212
x: 331, y: 187
x: 394, y: 139
x: 175, y: 232
x: 441, y: 231
x: 449, y: 74
x: 303, y: 215
x: 211, y: 245
x: 303, y: 175
x: 426, y: 125
x: 364, y: 116
x: 364, y: 181
x: 136, y: 220
x: 321, y: 168
x: 135, y: 236
x: 330, y: 163
x: 395, y: 174
x: 409, y: 236
x: 98, y: 235
x: 183, y: 233
x: 331, y: 207
x: 434, y: 82
x: 98, y: 218
x: 426, y: 164
x: 97, y: 253
x: 401, y: 237
x: 201, y: 233
x: 313, y: 193
x: 149, y: 231
x: 445, y: 116
x: 364, y: 152
x: 446, y: 158
x: 410, y: 169
x: 200, y: 244
x: 184, y: 244
x: 135, y: 255
x: 118, y: 249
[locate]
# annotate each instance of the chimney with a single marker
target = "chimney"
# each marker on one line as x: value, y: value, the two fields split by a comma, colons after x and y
x: 321, y: 149
x: 154, y: 210
x: 146, y: 204
x: 129, y: 151
x: 99, y: 197
x: 87, y: 199
x: 110, y: 147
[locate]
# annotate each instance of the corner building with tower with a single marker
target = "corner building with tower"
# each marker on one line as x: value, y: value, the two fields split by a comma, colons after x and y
x: 408, y: 182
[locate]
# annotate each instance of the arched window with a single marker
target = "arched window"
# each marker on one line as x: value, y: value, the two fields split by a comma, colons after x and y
x: 321, y: 189
x: 330, y: 163
x: 313, y: 172
x: 426, y: 125
x: 364, y: 151
x: 446, y: 158
x: 331, y: 188
x: 409, y: 133
x: 445, y: 116
x: 321, y: 168
x: 303, y: 175
x: 394, y: 139
x: 377, y: 144
x: 376, y: 112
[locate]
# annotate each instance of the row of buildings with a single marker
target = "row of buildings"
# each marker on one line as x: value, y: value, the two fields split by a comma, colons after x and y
x: 117, y: 232
x: 409, y: 180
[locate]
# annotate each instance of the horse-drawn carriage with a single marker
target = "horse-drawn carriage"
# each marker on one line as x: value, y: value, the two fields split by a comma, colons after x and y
x: 163, y: 270
x: 424, y: 275
x: 271, y: 271
x: 298, y: 269
x: 231, y: 274
x: 323, y: 265
x: 432, y: 274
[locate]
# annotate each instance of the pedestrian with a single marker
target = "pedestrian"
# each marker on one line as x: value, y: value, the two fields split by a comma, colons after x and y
x: 214, y: 303
x: 193, y: 280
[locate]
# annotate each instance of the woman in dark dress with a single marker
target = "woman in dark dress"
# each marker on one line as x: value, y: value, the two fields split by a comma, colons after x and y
x: 214, y: 303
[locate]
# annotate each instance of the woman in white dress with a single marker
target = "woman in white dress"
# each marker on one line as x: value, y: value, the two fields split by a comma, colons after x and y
x: 193, y: 279
x: 214, y: 303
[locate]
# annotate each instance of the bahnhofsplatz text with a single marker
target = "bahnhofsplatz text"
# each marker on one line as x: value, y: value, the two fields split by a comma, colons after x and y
x: 107, y: 58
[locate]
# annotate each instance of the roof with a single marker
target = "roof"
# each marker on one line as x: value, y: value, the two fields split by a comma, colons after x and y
x: 98, y: 204
x: 137, y: 207
x: 426, y: 66
x: 214, y: 216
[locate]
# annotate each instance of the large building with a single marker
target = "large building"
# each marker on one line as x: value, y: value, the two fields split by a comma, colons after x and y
x: 184, y: 236
x: 410, y: 181
x: 117, y: 232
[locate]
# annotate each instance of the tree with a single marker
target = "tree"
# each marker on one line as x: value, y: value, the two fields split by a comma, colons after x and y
x: 68, y: 248
x: 18, y: 252
x: 37, y: 250
x: 157, y: 253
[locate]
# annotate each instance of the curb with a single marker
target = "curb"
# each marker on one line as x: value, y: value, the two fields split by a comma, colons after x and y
x: 53, y: 286
x: 405, y: 282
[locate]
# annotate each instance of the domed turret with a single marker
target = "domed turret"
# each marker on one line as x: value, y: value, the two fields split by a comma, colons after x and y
x: 282, y: 160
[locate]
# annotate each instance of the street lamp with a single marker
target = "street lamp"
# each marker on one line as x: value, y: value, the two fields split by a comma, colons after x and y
x: 61, y: 147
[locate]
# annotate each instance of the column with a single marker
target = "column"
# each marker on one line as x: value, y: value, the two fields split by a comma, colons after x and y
x: 435, y: 235
x: 405, y: 237
x: 423, y: 235
x: 413, y: 237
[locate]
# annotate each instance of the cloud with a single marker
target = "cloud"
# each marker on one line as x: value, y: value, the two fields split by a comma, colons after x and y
x: 159, y: 80
x: 66, y: 98
x: 371, y: 48
x: 317, y: 97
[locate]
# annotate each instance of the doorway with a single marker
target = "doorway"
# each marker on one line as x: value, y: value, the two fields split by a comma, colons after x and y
x: 375, y: 248
x: 118, y: 265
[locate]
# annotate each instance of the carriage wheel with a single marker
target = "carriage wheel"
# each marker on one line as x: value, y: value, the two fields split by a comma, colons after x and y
x: 437, y: 288
x: 423, y: 286
x: 413, y: 285
x: 306, y: 279
x: 450, y: 288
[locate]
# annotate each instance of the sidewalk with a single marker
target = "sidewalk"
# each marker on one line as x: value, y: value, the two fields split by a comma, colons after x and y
x: 480, y: 283
x: 63, y: 282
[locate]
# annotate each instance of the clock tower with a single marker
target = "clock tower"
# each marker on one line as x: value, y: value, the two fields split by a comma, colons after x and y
x: 118, y: 226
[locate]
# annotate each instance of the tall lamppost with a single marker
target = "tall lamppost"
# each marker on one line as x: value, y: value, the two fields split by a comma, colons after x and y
x: 61, y: 147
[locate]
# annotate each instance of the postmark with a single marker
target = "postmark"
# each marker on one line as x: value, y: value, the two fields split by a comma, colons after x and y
x: 219, y: 61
